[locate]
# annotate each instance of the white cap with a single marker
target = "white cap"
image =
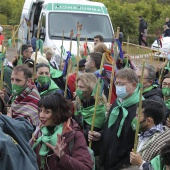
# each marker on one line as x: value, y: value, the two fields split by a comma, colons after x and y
x: 1, y: 29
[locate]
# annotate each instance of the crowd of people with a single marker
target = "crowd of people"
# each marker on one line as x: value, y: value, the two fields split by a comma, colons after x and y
x: 41, y: 129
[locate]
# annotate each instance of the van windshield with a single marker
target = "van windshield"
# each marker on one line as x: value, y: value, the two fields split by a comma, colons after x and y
x: 92, y: 25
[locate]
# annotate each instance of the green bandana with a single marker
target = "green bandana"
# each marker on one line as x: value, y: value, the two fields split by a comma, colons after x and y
x: 79, y: 93
x: 88, y: 112
x: 17, y: 89
x: 55, y: 73
x: 43, y: 80
x: 134, y: 124
x: 168, y: 66
x: 166, y: 91
x: 167, y: 103
x: 52, y: 88
x: 47, y: 137
x: 149, y: 88
x: 126, y: 103
x: 156, y: 163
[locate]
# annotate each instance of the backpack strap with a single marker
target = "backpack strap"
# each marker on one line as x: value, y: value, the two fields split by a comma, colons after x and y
x: 70, y: 145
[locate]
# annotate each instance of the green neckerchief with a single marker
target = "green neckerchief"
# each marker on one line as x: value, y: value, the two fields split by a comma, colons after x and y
x: 55, y: 73
x: 52, y: 88
x: 167, y: 66
x: 156, y: 163
x: 87, y: 114
x: 126, y: 103
x: 47, y: 137
x: 168, y: 104
x: 149, y: 88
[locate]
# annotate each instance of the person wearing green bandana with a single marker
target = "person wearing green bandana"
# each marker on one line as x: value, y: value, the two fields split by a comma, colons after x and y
x: 117, y: 137
x: 166, y: 94
x: 24, y: 98
x: 57, y: 133
x: 45, y: 84
x: 86, y: 85
x: 150, y: 89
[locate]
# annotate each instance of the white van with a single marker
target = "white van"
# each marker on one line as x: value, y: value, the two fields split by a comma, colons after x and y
x: 59, y: 15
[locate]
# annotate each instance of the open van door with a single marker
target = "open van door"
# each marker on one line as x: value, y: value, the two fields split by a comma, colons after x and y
x: 31, y: 12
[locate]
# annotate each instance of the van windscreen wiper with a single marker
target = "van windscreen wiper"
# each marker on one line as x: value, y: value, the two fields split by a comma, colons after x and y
x: 60, y: 37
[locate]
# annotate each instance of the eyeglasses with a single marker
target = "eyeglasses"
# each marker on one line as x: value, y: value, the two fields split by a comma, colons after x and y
x: 120, y: 83
x: 30, y: 52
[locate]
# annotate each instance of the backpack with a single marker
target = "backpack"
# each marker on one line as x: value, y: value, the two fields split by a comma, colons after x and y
x: 71, y: 144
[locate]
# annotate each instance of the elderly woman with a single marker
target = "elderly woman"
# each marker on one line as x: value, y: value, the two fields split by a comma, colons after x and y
x: 58, y: 133
x: 86, y: 89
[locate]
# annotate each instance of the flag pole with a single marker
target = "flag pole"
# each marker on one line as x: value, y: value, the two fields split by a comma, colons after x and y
x: 36, y: 52
x: 139, y: 110
x: 113, y: 66
x: 62, y: 49
x: 2, y: 67
x: 69, y: 61
x: 97, y: 96
x: 3, y: 54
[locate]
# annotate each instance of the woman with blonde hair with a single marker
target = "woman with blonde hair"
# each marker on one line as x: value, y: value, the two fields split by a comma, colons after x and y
x: 86, y: 89
x: 49, y: 56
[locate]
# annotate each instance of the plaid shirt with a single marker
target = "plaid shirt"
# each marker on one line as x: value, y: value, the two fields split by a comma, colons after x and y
x: 26, y: 105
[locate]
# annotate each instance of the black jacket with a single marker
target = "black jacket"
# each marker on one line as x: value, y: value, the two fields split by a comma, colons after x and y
x: 115, y: 151
x: 167, y: 33
x: 141, y: 26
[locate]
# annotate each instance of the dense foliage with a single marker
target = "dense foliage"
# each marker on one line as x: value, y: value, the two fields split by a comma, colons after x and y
x: 123, y: 13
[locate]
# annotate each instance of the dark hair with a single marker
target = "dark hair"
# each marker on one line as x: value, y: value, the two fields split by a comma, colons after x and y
x: 154, y: 109
x: 97, y: 58
x: 25, y: 69
x: 100, y: 38
x: 29, y: 62
x: 42, y: 65
x: 24, y: 48
x: 127, y: 73
x: 165, y: 154
x: 61, y: 109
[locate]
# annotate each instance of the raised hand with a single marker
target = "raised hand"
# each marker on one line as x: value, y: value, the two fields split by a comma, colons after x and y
x: 60, y: 146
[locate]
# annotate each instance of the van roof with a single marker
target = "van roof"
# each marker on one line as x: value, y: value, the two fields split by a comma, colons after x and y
x: 75, y: 6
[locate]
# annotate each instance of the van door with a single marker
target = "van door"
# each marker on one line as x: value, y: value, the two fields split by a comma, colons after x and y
x: 31, y: 11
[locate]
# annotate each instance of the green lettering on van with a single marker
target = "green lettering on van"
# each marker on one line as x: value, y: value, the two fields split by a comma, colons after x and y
x: 77, y: 7
x: 48, y: 6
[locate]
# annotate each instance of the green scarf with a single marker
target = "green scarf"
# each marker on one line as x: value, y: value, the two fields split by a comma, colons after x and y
x: 126, y: 103
x: 149, y: 88
x: 52, y: 88
x: 167, y: 66
x: 47, y: 137
x: 156, y: 163
x: 168, y: 104
x: 88, y: 112
x: 55, y: 73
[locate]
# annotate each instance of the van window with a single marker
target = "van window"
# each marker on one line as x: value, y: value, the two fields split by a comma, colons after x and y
x: 93, y: 24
